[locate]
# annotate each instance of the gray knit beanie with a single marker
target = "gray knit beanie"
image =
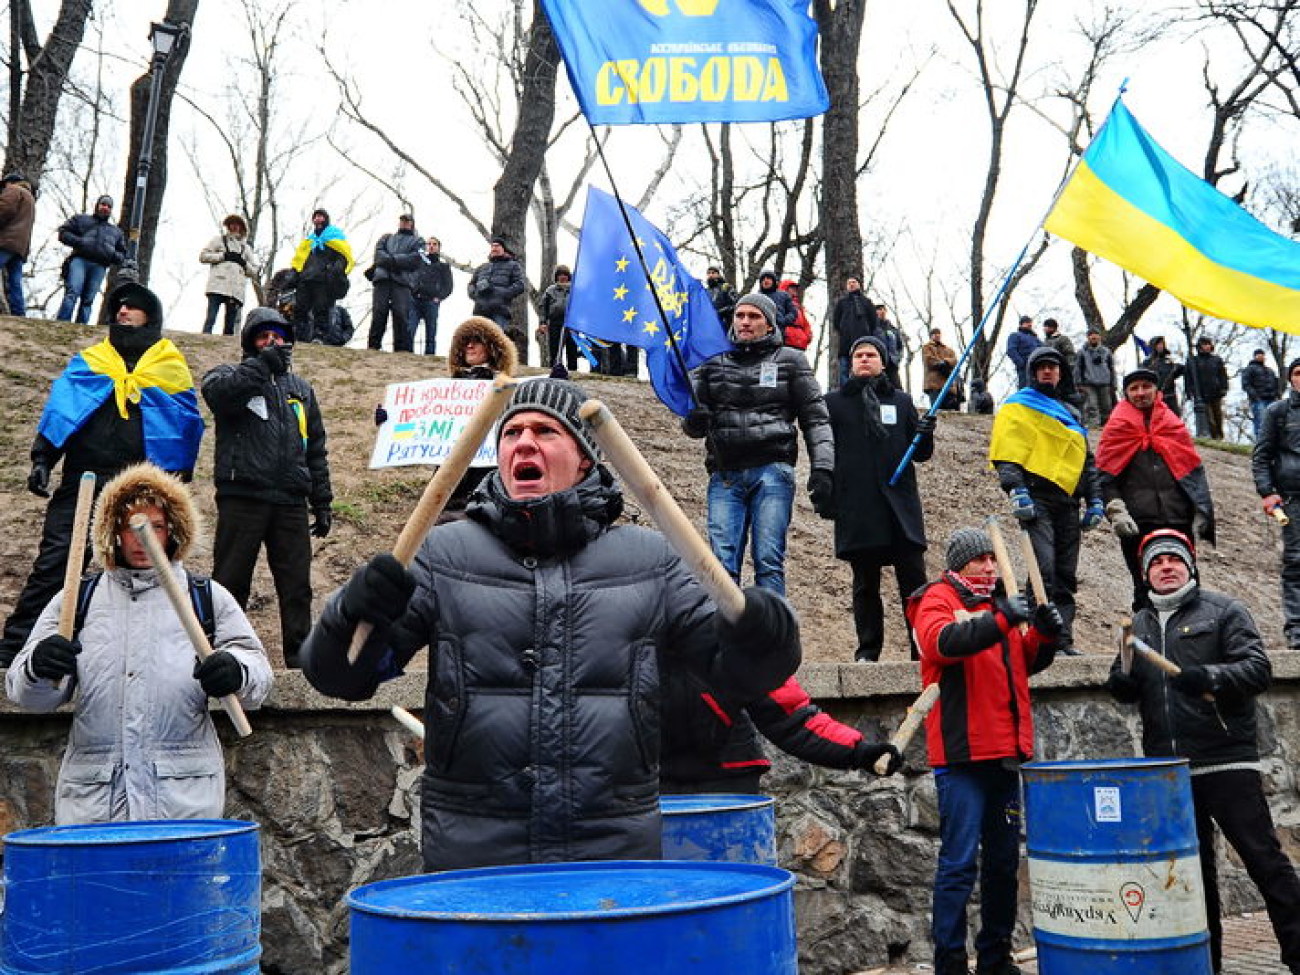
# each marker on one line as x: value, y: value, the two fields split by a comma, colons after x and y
x: 965, y: 544
x: 763, y: 303
x: 1166, y: 541
x: 558, y: 398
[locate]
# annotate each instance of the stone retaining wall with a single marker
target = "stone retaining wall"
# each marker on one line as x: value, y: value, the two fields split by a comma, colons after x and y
x: 335, y: 789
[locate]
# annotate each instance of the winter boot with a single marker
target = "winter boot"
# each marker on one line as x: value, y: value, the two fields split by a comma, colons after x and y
x: 952, y: 965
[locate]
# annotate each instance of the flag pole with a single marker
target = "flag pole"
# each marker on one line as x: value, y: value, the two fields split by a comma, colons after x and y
x: 997, y: 298
x: 645, y: 269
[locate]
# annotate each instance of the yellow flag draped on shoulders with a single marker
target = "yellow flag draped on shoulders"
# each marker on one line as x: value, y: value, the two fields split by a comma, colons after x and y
x: 162, y: 365
x: 1042, y: 436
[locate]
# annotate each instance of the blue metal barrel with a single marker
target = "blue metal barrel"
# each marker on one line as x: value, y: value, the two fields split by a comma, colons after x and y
x: 630, y: 917
x: 1114, y: 874
x: 719, y: 828
x: 142, y: 897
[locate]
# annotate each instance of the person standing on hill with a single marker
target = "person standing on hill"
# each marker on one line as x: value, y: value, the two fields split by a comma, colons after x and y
x: 1207, y: 382
x: 749, y: 401
x: 877, y: 524
x: 939, y: 361
x: 1207, y: 714
x: 96, y: 246
x: 1039, y: 449
x: 17, y: 217
x: 323, y: 262
x: 977, y: 736
x: 1167, y: 369
x: 1150, y: 474
x: 1020, y: 344
x: 1275, y: 464
x: 1259, y: 383
x: 1053, y: 336
x: 271, y: 465
x: 432, y: 286
x: 553, y: 309
x: 232, y: 262
x: 123, y: 400
x: 798, y: 334
x: 397, y: 260
x: 494, y: 286
x: 854, y: 317
x: 1096, y: 374
x: 722, y: 294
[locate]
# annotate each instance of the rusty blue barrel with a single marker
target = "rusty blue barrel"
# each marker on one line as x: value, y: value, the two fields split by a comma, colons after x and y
x: 631, y: 917
x: 719, y: 828
x: 1114, y: 870
x: 176, y: 896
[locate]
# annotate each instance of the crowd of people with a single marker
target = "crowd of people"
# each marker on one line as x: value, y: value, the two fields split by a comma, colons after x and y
x: 546, y: 617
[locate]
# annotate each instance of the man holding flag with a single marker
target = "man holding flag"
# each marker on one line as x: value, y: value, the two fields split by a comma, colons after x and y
x: 1040, y: 451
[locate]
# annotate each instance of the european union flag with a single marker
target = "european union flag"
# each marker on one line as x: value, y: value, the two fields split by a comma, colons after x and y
x: 664, y: 61
x: 614, y: 300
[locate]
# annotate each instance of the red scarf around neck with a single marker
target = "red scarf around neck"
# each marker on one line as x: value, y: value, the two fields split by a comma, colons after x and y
x: 1127, y: 431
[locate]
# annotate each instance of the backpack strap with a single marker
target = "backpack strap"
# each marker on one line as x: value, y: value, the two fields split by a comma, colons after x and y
x: 200, y: 598
x: 84, y: 592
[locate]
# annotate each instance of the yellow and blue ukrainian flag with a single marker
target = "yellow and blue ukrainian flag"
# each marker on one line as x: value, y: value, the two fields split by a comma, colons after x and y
x: 1132, y: 203
x: 1042, y: 436
x: 160, y: 383
x: 665, y: 61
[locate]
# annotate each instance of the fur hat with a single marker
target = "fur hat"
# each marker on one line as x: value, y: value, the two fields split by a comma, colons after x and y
x: 965, y: 544
x: 503, y: 354
x: 135, y: 487
x: 1167, y: 541
x: 557, y: 398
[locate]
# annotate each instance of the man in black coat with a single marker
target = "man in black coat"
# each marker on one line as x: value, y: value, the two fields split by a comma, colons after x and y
x: 432, y: 285
x: 1207, y: 382
x: 1207, y: 714
x: 875, y: 524
x: 550, y: 630
x: 1275, y: 464
x: 397, y: 258
x: 97, y: 244
x: 271, y: 465
x: 494, y: 286
x: 853, y: 318
x: 1259, y: 383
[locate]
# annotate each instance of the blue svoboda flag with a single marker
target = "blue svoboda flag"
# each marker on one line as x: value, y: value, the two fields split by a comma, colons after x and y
x: 667, y: 61
x: 613, y: 299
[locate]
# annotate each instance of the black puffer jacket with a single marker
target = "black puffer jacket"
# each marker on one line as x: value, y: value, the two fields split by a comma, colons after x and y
x: 398, y: 258
x: 544, y: 675
x: 753, y: 395
x: 1275, y: 461
x: 1209, y: 630
x: 94, y: 238
x: 1259, y: 382
x: 271, y: 442
x: 495, y: 285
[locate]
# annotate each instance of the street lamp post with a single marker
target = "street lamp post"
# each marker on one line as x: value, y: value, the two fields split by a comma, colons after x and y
x: 163, y: 35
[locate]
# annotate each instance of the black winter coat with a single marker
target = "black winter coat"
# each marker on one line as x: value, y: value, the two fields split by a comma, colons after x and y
x: 271, y: 441
x: 1275, y: 461
x: 397, y: 258
x: 1209, y: 630
x: 871, y: 516
x: 753, y: 395
x: 1259, y: 382
x: 1207, y: 370
x: 543, y: 701
x: 786, y: 313
x: 854, y: 317
x: 94, y: 238
x: 495, y: 285
x: 432, y: 278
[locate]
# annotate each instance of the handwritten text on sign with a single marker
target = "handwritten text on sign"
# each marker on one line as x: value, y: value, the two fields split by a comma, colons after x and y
x: 425, y: 419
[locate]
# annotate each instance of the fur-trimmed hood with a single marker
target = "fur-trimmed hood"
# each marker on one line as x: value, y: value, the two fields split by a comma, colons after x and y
x: 503, y: 357
x: 137, y: 485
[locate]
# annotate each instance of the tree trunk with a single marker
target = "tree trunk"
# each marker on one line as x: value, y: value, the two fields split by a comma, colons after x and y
x: 513, y: 192
x: 32, y: 130
x: 181, y: 12
x: 841, y: 35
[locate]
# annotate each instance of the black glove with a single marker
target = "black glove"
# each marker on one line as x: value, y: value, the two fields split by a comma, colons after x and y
x: 870, y: 754
x: 1124, y: 687
x: 381, y: 415
x: 1193, y: 681
x: 55, y: 658
x: 220, y: 674
x: 821, y: 489
x: 484, y: 289
x: 324, y: 521
x: 1048, y: 620
x: 925, y: 426
x: 378, y: 591
x: 275, y: 358
x: 699, y: 419
x: 38, y: 481
x: 1014, y: 608
x: 764, y: 617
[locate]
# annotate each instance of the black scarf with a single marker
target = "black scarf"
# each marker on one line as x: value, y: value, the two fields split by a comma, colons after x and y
x: 870, y: 390
x: 554, y: 526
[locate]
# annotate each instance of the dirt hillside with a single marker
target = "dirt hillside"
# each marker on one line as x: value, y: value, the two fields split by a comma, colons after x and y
x: 370, y: 506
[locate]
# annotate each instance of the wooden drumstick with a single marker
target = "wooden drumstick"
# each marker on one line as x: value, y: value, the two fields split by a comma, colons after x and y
x: 1005, y: 569
x: 76, y: 559
x: 911, y: 722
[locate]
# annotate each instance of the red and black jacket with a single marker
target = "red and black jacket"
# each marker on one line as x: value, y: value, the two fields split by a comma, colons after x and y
x: 982, y: 666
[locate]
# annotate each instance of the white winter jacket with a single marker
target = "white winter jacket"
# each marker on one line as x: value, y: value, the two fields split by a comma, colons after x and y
x: 227, y: 278
x: 142, y: 744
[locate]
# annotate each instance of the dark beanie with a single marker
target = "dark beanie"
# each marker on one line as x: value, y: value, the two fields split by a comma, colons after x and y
x: 965, y: 544
x: 871, y: 340
x: 557, y: 398
x: 261, y: 320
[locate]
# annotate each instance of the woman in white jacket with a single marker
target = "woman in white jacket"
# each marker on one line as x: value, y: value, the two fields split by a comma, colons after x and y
x: 232, y: 262
x: 142, y: 744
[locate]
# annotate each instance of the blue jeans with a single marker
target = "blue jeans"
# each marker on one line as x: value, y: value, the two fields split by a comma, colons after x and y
x: 979, y: 817
x: 79, y: 289
x: 424, y: 310
x: 752, y: 504
x: 1258, y: 407
x: 11, y: 266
